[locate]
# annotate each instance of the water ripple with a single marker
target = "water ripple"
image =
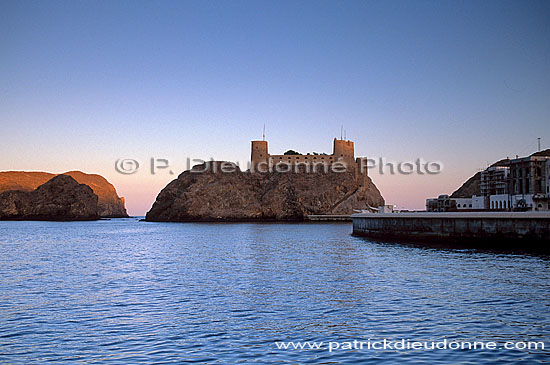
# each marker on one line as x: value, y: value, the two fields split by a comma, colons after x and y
x: 124, y: 291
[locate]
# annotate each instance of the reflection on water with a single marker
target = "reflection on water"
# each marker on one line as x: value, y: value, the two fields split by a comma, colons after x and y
x: 127, y: 291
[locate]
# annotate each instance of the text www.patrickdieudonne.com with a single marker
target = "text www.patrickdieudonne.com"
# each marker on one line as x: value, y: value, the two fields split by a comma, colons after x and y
x: 405, y: 344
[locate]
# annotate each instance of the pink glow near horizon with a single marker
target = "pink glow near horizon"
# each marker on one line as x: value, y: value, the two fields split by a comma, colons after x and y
x: 86, y: 83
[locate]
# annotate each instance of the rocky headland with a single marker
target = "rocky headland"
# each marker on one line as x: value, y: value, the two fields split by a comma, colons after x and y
x: 61, y: 198
x: 110, y: 205
x: 204, y: 194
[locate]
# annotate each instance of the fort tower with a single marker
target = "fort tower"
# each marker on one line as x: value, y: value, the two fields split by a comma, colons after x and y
x: 343, y: 151
x: 259, y: 155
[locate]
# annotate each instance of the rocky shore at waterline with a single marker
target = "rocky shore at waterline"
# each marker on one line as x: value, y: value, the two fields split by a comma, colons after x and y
x: 206, y: 194
x: 61, y: 198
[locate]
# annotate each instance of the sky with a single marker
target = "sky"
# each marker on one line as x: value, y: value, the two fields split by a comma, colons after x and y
x: 84, y: 84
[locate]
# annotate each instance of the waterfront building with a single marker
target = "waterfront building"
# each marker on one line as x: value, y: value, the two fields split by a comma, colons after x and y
x: 479, y: 202
x: 445, y: 203
x: 519, y: 184
x: 494, y: 180
x: 499, y: 202
x: 463, y: 203
x: 529, y: 182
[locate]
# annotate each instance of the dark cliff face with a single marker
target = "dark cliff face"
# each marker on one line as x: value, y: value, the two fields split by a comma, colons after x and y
x: 469, y: 188
x: 61, y: 198
x: 262, y: 196
x: 110, y: 204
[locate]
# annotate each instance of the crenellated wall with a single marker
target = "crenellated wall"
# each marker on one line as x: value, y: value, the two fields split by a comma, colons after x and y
x: 343, y: 152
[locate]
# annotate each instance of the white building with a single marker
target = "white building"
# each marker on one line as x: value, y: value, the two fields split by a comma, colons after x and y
x: 463, y: 203
x: 522, y: 201
x: 499, y: 202
x: 478, y: 202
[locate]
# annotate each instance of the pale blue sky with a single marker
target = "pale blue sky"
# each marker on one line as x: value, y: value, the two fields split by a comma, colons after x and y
x: 83, y: 83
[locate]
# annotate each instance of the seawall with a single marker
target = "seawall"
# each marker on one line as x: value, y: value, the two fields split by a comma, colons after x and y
x: 329, y: 218
x: 493, y: 228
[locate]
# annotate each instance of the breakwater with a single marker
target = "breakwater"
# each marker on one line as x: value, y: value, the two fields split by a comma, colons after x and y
x: 495, y: 228
x: 329, y: 218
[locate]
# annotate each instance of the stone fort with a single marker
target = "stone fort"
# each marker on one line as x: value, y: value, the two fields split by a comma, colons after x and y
x: 342, y: 154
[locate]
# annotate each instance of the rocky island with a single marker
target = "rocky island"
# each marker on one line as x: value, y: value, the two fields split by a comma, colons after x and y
x: 236, y: 196
x: 205, y: 193
x: 62, y: 199
x: 110, y: 205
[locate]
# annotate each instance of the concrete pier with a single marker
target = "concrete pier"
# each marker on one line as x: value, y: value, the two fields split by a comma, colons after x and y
x: 488, y: 227
x: 329, y: 217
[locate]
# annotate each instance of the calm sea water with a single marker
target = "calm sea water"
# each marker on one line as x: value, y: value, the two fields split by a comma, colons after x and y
x: 124, y: 291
